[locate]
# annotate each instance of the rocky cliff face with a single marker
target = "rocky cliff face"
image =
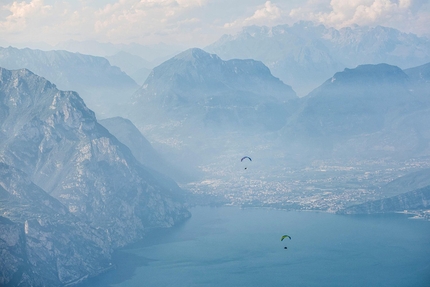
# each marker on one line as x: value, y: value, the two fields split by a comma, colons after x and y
x: 52, y: 137
x: 14, y: 264
x: 413, y: 200
x: 42, y: 243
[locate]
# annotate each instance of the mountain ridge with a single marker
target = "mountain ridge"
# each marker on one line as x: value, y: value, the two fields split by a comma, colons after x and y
x: 197, y: 78
x: 305, y: 54
x: 100, y: 84
x: 53, y: 144
x: 413, y: 200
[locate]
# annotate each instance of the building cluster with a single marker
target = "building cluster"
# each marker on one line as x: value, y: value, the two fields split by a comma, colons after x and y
x: 324, y: 186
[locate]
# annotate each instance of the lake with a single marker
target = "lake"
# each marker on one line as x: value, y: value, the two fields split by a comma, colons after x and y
x: 230, y: 246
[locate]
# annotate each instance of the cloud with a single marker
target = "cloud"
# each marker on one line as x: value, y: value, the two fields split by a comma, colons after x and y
x: 35, y: 21
x: 269, y: 14
x: 400, y: 14
x: 19, y: 15
x: 191, y: 3
x: 117, y: 21
x: 191, y: 22
x: 364, y: 12
x: 128, y: 19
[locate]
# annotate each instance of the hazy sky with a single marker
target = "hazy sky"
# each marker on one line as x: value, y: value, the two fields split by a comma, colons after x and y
x: 192, y: 22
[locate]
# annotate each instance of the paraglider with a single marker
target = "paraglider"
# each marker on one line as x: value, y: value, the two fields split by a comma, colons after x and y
x: 285, y: 236
x: 245, y: 158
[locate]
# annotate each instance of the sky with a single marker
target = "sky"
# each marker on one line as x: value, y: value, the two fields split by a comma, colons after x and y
x: 191, y: 23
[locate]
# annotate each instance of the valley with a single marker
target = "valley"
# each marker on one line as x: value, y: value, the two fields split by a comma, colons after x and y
x: 325, y: 185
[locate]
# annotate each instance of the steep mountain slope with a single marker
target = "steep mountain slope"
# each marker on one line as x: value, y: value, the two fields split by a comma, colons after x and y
x: 42, y: 243
x: 406, y: 183
x: 420, y: 79
x: 127, y: 133
x: 413, y: 200
x: 124, y: 130
x: 420, y: 74
x: 305, y: 54
x: 101, y: 85
x: 54, y: 138
x: 408, y: 192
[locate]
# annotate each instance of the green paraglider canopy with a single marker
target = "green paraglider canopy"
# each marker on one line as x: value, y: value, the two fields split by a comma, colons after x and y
x: 285, y: 236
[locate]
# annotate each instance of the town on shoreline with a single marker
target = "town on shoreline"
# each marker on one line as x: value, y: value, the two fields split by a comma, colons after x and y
x: 323, y: 186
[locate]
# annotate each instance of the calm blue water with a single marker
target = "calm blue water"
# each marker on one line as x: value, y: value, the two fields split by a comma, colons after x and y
x: 229, y: 246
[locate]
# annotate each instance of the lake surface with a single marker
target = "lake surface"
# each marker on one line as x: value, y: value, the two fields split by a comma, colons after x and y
x: 229, y: 246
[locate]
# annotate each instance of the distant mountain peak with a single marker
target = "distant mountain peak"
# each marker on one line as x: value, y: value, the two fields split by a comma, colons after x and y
x: 195, y: 53
x: 192, y: 55
x: 92, y: 77
x: 255, y: 30
x: 355, y: 101
x: 195, y: 75
x: 370, y: 74
x: 305, y: 53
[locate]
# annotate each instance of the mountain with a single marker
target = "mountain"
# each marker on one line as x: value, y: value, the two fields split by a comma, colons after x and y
x: 155, y: 54
x: 306, y: 54
x: 56, y: 141
x: 136, y: 67
x: 102, y: 86
x: 42, y: 243
x: 357, y: 45
x: 420, y: 74
x: 420, y: 78
x: 418, y: 199
x: 126, y: 132
x: 354, y: 101
x: 371, y: 110
x: 53, y: 137
x: 294, y: 54
x: 195, y: 97
x: 235, y: 92
x: 90, y: 47
x: 408, y: 192
x: 406, y: 183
